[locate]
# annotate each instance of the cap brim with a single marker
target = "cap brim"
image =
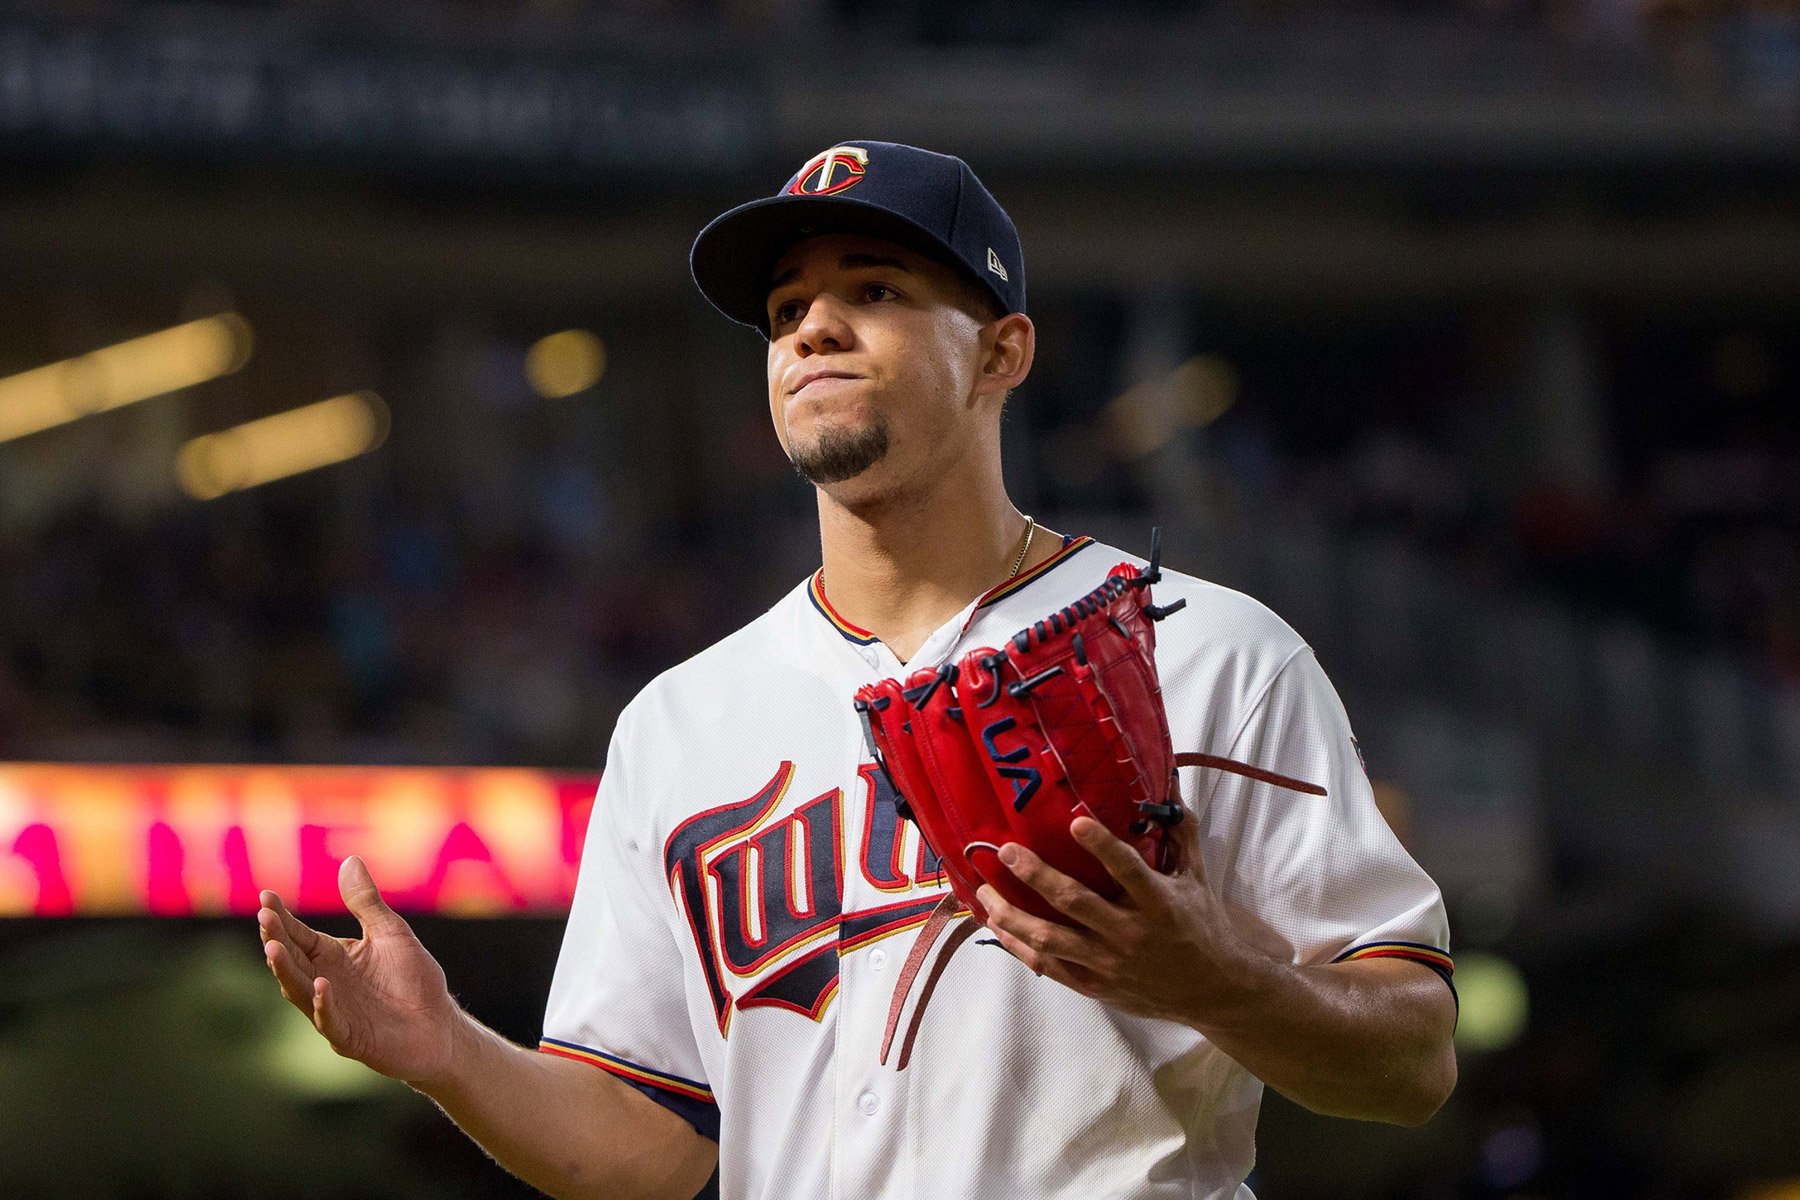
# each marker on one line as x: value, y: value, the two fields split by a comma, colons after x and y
x: 734, y: 256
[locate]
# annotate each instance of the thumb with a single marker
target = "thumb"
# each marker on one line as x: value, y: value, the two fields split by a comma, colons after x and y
x: 363, y: 898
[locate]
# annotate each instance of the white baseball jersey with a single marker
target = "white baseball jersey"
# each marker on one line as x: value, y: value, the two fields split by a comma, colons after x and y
x: 747, y: 896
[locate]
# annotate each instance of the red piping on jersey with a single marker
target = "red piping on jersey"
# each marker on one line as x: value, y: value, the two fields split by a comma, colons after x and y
x: 815, y: 591
x: 1071, y: 545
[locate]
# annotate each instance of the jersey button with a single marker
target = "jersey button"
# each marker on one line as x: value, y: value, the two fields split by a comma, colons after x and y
x: 868, y: 1102
x: 877, y: 959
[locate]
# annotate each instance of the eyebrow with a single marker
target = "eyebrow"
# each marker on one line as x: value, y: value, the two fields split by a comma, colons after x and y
x: 848, y: 261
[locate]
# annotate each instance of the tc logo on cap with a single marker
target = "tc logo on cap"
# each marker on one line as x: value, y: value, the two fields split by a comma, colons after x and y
x: 819, y: 176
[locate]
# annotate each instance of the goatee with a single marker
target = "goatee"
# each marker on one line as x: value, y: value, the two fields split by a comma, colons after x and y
x: 839, y: 454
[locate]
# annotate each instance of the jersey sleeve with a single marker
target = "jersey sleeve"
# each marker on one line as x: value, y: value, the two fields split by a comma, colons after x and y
x: 617, y: 1000
x: 1317, y: 878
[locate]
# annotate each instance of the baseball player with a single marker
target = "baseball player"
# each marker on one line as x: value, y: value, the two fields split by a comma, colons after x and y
x: 748, y: 891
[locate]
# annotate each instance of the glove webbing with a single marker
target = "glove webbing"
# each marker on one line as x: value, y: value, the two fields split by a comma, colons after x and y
x: 950, y: 908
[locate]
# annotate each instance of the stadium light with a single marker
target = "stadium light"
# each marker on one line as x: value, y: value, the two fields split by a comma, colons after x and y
x: 562, y: 364
x: 1494, y: 1005
x: 114, y: 376
x: 287, y: 443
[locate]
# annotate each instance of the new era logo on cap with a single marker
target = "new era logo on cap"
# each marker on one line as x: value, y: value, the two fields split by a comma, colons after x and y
x: 930, y: 203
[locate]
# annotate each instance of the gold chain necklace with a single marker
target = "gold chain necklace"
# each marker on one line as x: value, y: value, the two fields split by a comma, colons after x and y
x: 1030, y: 529
x: 1030, y: 532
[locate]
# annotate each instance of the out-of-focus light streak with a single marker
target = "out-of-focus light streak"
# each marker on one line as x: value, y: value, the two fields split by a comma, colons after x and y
x: 114, y: 376
x: 287, y: 443
x: 1143, y: 419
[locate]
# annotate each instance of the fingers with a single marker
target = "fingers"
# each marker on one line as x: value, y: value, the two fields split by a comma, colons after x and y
x: 1065, y: 894
x: 296, y: 986
x: 363, y: 898
x: 1186, y: 833
x: 300, y: 935
x: 1068, y: 974
x: 276, y: 932
x: 1039, y: 939
x: 291, y: 966
x: 1120, y: 861
x: 324, y: 1012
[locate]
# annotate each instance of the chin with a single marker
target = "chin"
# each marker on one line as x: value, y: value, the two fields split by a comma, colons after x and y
x: 842, y: 453
x: 841, y: 482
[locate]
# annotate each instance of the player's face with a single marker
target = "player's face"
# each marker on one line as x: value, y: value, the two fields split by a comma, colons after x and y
x: 875, y: 364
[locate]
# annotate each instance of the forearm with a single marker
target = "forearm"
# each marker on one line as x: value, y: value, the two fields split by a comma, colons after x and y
x: 566, y: 1128
x: 1368, y: 1039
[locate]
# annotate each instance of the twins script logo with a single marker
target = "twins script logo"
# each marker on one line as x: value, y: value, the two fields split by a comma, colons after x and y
x: 819, y: 176
x: 763, y: 894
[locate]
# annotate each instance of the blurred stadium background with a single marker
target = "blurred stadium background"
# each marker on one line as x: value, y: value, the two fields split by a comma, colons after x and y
x: 1464, y: 334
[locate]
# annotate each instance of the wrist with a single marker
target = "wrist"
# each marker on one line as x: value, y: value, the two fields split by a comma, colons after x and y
x: 1244, y: 985
x: 462, y: 1042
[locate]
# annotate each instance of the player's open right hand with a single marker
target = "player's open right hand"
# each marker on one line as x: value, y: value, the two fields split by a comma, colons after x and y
x: 381, y: 998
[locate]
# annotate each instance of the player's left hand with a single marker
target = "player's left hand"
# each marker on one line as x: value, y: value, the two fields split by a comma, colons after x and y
x: 1163, y: 949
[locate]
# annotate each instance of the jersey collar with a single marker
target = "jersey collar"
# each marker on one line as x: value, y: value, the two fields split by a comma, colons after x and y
x: 815, y: 591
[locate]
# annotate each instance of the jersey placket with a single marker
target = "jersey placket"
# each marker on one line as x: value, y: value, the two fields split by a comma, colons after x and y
x: 881, y: 918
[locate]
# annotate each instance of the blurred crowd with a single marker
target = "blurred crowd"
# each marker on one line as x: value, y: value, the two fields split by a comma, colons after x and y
x: 1699, y: 542
x: 250, y: 630
x: 505, y: 611
x: 948, y: 19
x: 1639, y: 468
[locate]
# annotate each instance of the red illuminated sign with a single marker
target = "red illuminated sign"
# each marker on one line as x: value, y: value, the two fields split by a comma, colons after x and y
x: 186, y: 840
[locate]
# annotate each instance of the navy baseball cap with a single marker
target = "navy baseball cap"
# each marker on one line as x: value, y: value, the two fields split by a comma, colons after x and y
x: 929, y: 203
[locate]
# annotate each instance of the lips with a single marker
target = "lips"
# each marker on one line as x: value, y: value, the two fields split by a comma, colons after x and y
x: 814, y: 376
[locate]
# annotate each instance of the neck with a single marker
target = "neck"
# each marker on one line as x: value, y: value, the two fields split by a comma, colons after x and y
x: 901, y: 566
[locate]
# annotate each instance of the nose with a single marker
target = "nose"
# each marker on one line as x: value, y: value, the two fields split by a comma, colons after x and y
x: 824, y: 327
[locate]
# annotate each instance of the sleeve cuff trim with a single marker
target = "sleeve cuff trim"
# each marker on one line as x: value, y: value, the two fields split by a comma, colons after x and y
x: 1429, y: 956
x: 629, y: 1071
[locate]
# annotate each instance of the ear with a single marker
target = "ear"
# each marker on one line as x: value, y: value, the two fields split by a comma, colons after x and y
x: 1007, y: 348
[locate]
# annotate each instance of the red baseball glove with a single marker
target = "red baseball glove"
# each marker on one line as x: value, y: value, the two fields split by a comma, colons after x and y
x: 1011, y: 745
